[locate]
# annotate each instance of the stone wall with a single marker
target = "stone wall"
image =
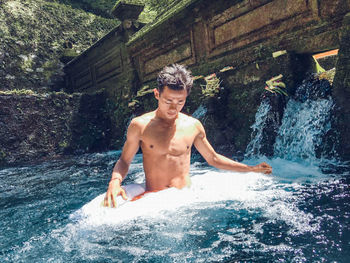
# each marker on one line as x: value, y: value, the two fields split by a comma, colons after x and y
x: 208, y: 36
x: 37, y: 127
x: 341, y: 90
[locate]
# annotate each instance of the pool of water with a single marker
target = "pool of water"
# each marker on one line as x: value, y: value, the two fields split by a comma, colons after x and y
x: 300, y: 213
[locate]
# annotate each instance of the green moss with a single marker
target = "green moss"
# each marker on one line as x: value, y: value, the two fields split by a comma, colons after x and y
x: 165, y: 16
x: 130, y: 2
x: 18, y: 92
x: 33, y: 32
x: 69, y: 53
x: 63, y: 145
x: 50, y: 68
x: 2, y: 156
x: 147, y: 15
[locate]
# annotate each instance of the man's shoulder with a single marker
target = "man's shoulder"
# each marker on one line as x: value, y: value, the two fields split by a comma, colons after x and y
x: 143, y: 119
x: 189, y: 120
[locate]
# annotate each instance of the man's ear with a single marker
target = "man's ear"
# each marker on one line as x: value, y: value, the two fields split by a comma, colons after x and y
x: 156, y: 93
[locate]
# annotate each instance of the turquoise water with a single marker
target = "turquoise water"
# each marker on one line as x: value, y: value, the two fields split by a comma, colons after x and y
x: 51, y: 212
x: 300, y: 213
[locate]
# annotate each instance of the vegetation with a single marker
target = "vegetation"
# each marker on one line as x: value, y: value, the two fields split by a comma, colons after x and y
x: 211, y: 88
x: 33, y: 37
x: 157, y: 11
x: 18, y: 92
x: 328, y: 75
x: 34, y: 33
x: 101, y: 7
x: 153, y: 8
x: 276, y: 86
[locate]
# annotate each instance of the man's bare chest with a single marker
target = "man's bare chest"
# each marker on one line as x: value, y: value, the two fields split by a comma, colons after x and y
x: 175, y: 141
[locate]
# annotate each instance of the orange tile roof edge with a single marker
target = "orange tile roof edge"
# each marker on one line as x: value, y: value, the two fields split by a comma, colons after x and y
x: 326, y: 54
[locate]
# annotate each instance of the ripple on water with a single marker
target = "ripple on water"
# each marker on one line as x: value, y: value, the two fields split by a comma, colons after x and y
x: 298, y: 214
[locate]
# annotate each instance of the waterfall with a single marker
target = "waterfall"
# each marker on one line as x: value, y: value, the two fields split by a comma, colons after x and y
x: 127, y: 125
x: 304, y: 127
x: 305, y: 124
x: 254, y: 147
x: 199, y: 112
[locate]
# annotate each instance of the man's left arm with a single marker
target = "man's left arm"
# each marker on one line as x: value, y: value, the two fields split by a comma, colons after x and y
x: 219, y: 161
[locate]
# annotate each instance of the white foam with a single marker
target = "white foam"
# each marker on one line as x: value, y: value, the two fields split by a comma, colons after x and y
x: 271, y: 196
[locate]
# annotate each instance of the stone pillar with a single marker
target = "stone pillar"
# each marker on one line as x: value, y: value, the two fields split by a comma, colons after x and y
x: 341, y: 90
x: 128, y: 11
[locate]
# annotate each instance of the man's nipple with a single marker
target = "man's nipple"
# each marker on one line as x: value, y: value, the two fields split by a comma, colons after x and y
x: 151, y: 146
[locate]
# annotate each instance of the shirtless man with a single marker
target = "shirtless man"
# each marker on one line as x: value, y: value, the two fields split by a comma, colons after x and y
x: 166, y: 136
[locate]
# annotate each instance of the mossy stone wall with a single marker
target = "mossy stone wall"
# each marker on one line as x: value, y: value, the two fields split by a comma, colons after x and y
x: 210, y: 35
x: 39, y: 127
x: 341, y: 91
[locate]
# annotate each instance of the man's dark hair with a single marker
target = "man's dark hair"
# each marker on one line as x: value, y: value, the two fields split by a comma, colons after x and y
x: 175, y: 77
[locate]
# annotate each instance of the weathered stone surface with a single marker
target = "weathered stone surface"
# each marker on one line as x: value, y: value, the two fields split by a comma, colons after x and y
x: 43, y: 127
x: 126, y: 9
x: 203, y: 32
x: 34, y: 127
x: 341, y: 90
x: 236, y: 105
x: 209, y: 35
x: 257, y: 19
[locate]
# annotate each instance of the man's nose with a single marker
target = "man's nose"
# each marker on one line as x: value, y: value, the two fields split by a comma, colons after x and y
x: 173, y: 106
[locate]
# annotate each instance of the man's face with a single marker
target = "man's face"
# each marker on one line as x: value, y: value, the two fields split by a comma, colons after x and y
x: 170, y: 102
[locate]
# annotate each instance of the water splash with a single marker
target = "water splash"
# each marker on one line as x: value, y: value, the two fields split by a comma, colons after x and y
x: 306, y: 122
x: 199, y: 112
x: 303, y: 128
x: 224, y: 216
x: 254, y: 147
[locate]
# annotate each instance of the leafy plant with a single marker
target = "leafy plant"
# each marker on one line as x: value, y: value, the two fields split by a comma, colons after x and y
x: 212, y: 86
x: 276, y: 86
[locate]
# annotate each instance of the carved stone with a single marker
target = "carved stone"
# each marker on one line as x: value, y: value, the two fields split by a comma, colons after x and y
x: 127, y: 9
x: 208, y: 36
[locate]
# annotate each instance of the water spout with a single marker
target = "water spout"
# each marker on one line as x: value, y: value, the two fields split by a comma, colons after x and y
x: 304, y: 127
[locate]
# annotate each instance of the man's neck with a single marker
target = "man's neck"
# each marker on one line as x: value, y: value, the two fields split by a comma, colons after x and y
x: 165, y: 121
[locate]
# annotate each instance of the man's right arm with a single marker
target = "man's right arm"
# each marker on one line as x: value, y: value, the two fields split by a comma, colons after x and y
x: 121, y: 168
x: 221, y: 162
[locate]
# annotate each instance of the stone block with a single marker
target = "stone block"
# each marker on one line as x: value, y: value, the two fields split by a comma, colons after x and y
x: 127, y: 9
x: 341, y: 90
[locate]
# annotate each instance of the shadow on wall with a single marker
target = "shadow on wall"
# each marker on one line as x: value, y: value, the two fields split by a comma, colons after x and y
x: 91, y: 126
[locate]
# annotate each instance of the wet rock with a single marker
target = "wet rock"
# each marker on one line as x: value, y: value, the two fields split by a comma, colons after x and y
x: 341, y: 91
x: 313, y: 88
x: 37, y: 127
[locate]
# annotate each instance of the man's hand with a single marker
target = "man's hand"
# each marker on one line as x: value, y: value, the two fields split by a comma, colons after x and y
x: 262, y: 168
x: 114, y: 189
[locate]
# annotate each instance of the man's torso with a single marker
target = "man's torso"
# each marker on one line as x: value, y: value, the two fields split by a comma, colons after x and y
x: 166, y: 150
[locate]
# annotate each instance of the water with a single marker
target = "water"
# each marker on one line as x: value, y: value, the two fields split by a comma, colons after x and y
x: 261, y: 116
x: 301, y: 213
x: 298, y: 214
x: 303, y: 128
x: 306, y: 123
x: 200, y: 112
